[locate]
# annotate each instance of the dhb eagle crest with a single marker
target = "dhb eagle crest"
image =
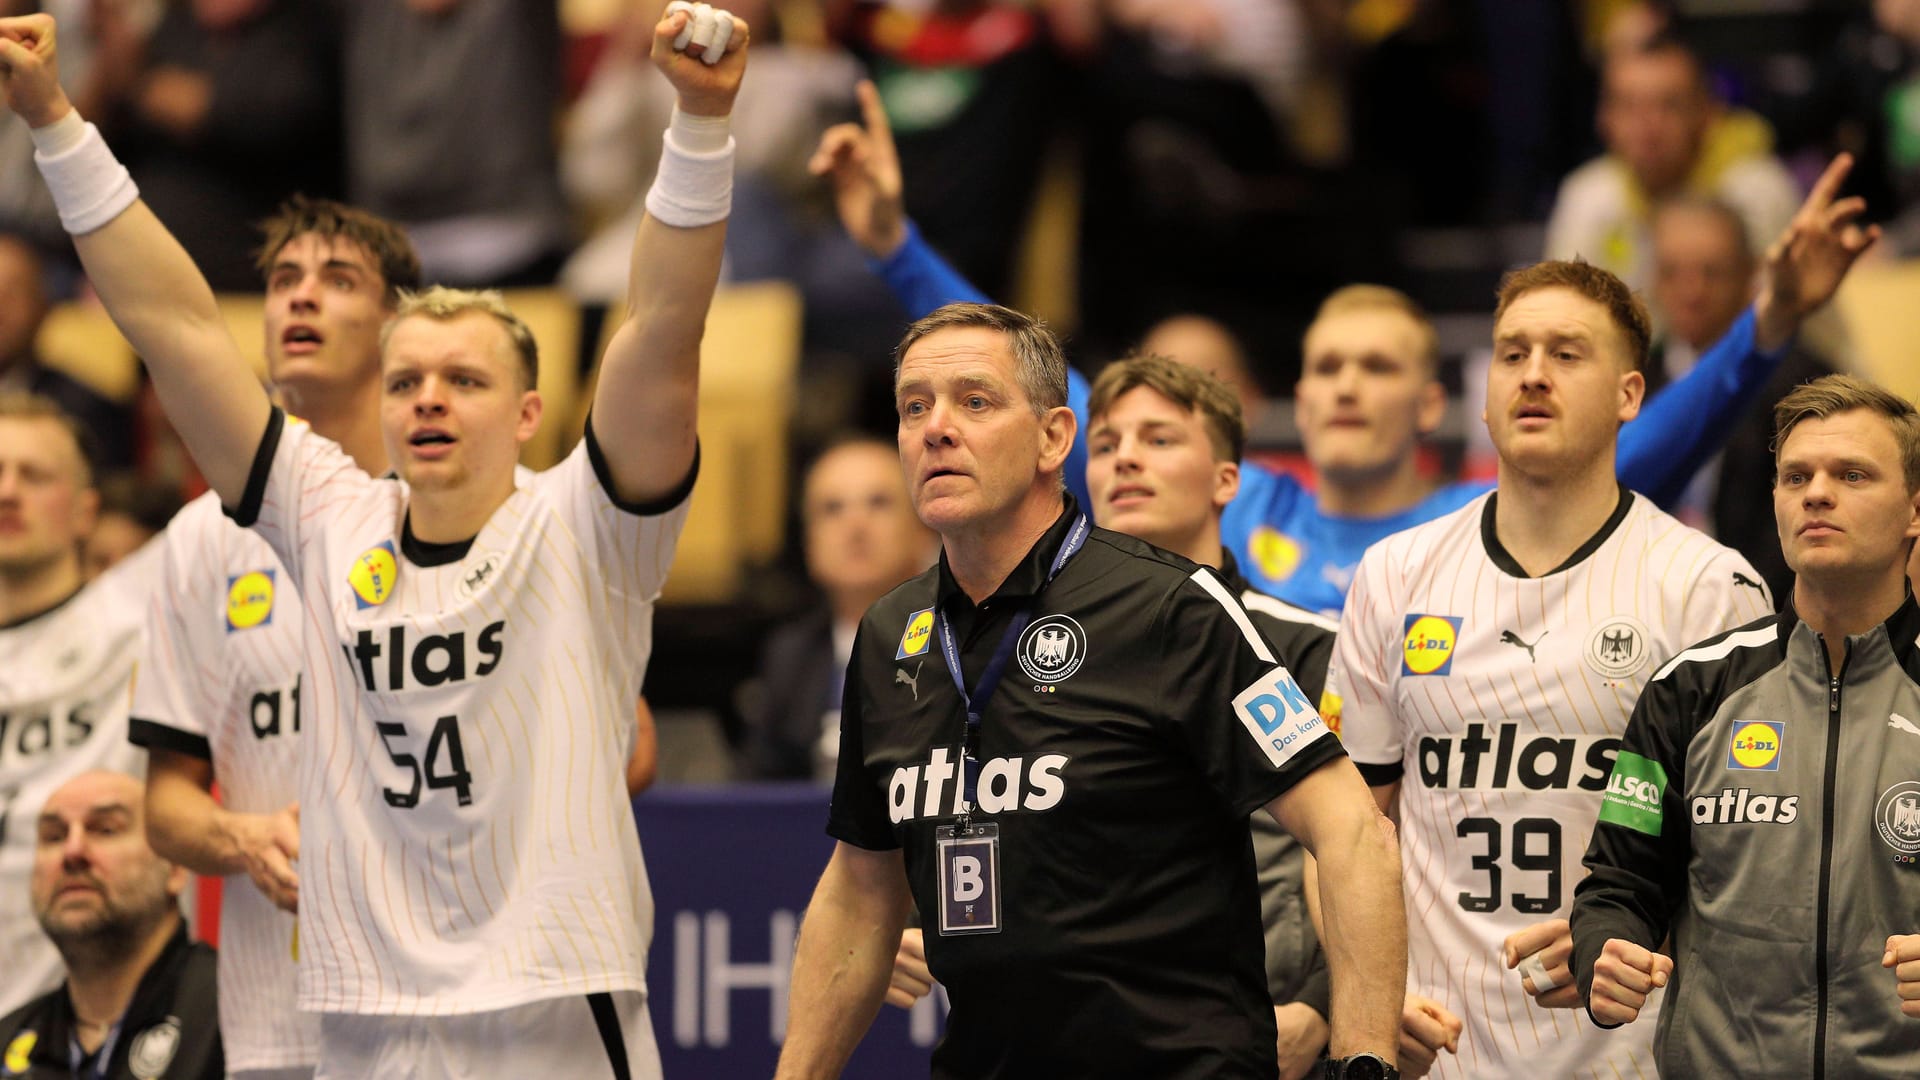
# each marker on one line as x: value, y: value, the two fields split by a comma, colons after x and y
x: 1052, y: 648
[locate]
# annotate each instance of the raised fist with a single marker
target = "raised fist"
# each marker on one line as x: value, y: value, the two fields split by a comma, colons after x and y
x: 702, y: 50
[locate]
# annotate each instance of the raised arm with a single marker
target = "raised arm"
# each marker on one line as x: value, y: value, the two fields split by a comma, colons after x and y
x: 148, y: 283
x: 1684, y: 425
x: 648, y: 394
x: 1363, y: 918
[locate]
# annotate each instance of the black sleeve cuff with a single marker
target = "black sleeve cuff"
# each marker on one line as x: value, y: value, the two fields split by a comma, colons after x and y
x: 153, y: 735
x: 1380, y: 775
x: 841, y: 832
x: 1310, y: 757
x: 248, y: 511
x: 652, y: 507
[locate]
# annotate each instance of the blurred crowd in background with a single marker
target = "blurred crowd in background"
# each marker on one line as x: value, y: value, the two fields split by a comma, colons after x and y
x: 1202, y: 172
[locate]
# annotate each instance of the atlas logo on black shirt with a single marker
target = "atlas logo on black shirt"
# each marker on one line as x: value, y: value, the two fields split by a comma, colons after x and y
x: 937, y: 789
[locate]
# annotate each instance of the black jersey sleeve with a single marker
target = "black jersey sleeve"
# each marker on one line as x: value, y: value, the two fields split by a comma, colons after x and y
x: 1230, y: 703
x: 858, y: 814
x: 1637, y: 859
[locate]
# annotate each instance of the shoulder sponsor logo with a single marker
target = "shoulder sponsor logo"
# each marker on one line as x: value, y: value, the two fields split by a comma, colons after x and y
x: 1633, y: 795
x: 1051, y: 648
x: 154, y: 1048
x: 1897, y: 817
x: 1740, y: 579
x: 1743, y: 807
x: 1755, y: 746
x: 1901, y: 723
x: 917, y: 636
x: 1278, y: 715
x: 1330, y: 705
x: 249, y: 600
x: 1275, y: 554
x: 1619, y: 647
x: 1501, y: 757
x: 373, y: 575
x: 1428, y: 646
x: 18, y: 1051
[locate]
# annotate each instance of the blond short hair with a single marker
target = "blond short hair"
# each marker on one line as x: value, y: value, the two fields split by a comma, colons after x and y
x: 442, y: 304
x: 1358, y: 298
x: 1187, y: 386
x: 1831, y: 394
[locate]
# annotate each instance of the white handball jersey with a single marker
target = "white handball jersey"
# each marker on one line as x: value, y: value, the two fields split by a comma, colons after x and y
x: 1499, y: 701
x: 65, y: 681
x: 466, y: 841
x: 222, y: 682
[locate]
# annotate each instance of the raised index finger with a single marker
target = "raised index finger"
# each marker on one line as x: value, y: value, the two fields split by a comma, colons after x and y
x: 874, y: 114
x: 1825, y: 188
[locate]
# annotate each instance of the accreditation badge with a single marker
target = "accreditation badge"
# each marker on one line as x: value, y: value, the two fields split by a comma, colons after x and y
x: 969, y: 857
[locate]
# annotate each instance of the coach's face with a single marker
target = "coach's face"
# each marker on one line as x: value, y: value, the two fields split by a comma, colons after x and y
x: 1366, y: 393
x: 1151, y: 470
x: 454, y: 404
x: 1560, y: 384
x: 1840, y: 498
x: 46, y: 507
x: 971, y: 444
x: 92, y: 868
x: 326, y: 302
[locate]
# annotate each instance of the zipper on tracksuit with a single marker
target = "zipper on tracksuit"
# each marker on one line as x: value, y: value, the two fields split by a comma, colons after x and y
x: 1826, y: 851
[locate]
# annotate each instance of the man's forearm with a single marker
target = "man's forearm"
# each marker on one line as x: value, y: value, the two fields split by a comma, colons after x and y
x: 186, y: 826
x: 1365, y: 941
x: 840, y: 973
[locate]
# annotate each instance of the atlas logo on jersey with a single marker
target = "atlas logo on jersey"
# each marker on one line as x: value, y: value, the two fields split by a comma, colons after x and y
x: 938, y: 788
x: 373, y: 575
x: 1500, y: 757
x: 1052, y: 649
x: 1429, y: 644
x: 1755, y: 746
x: 917, y: 636
x: 249, y: 600
x: 1743, y: 807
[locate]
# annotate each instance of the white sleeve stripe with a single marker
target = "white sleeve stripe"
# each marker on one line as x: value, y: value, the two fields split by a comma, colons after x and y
x: 1219, y: 592
x: 1745, y: 639
x: 1280, y: 609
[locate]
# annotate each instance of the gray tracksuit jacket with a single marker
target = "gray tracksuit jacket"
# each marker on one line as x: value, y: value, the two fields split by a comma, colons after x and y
x: 1766, y: 811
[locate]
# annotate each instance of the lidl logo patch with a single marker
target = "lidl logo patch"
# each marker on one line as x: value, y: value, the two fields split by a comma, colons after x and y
x: 373, y: 575
x: 249, y: 600
x: 1756, y: 745
x: 1330, y: 704
x: 917, y: 636
x: 1428, y: 648
x: 18, y: 1051
x: 1275, y: 553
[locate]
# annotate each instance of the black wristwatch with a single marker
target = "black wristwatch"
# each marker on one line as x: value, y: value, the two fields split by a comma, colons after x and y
x: 1360, y: 1067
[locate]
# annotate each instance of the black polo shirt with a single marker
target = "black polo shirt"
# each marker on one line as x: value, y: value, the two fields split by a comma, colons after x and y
x: 1142, y: 719
x: 170, y: 1031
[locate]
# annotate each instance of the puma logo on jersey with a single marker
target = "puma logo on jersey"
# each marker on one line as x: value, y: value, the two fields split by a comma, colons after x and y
x: 1501, y: 758
x: 938, y: 788
x: 912, y: 681
x: 1742, y: 579
x: 430, y: 661
x: 1901, y: 723
x: 1508, y: 637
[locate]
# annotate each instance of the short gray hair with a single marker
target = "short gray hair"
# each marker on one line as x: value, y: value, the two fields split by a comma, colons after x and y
x: 1039, y: 363
x: 442, y: 304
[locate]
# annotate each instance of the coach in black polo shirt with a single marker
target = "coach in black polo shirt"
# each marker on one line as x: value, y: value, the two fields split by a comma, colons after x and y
x: 1077, y: 840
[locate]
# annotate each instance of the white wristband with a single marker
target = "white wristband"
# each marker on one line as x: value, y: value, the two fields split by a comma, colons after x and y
x: 693, y: 188
x: 89, y: 185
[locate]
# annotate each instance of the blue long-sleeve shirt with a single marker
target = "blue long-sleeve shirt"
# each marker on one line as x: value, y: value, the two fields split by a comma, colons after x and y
x: 1288, y: 548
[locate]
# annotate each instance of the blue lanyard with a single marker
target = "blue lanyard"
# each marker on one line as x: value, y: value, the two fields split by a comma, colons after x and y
x: 976, y: 702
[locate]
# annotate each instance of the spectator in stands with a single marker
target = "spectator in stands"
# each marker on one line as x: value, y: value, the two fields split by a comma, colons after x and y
x: 449, y: 110
x: 132, y: 512
x: 1208, y: 344
x: 23, y: 308
x: 1705, y: 275
x: 139, y: 996
x: 1666, y: 135
x: 862, y: 539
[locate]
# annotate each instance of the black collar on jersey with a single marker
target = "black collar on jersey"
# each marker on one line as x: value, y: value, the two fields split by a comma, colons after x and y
x: 45, y: 611
x: 1237, y: 582
x: 421, y: 553
x: 52, y: 1019
x: 1511, y: 566
x: 1028, y: 577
